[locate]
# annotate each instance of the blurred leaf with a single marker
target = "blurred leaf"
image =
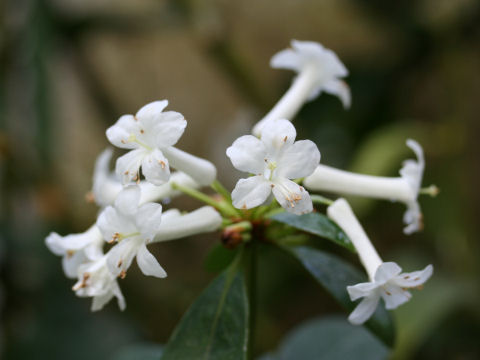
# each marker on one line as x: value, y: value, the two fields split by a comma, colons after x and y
x: 316, y: 224
x: 139, y: 352
x: 335, y: 275
x: 219, y: 258
x: 329, y: 338
x: 448, y: 295
x: 216, y: 324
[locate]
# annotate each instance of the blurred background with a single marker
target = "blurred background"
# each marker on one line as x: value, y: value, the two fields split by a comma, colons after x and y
x: 70, y: 68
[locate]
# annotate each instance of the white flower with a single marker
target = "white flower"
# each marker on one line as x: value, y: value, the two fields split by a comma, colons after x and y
x: 76, y: 248
x: 404, y: 188
x: 385, y: 278
x: 318, y: 68
x: 95, y: 280
x: 151, y: 134
x: 133, y: 226
x: 273, y: 159
x: 389, y: 284
x: 106, y: 184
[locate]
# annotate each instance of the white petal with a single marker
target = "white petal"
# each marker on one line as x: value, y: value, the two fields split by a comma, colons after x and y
x: 127, y: 166
x: 251, y: 192
x: 276, y: 134
x: 339, y: 88
x: 70, y: 264
x: 151, y: 111
x: 155, y: 168
x: 394, y: 296
x: 148, y: 264
x: 148, y: 220
x: 201, y: 170
x: 164, y: 129
x: 127, y: 200
x: 364, y: 310
x: 292, y: 197
x: 54, y: 243
x: 100, y: 301
x: 175, y: 226
x: 119, y: 134
x: 413, y: 218
x: 298, y: 160
x: 413, y: 279
x: 412, y: 170
x: 286, y: 59
x: 361, y: 290
x: 248, y: 154
x: 111, y: 222
x: 120, y: 257
x: 387, y: 271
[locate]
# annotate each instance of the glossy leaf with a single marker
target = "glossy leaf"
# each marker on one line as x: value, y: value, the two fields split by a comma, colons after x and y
x: 329, y: 338
x: 316, y: 224
x: 139, y: 352
x: 219, y: 258
x: 216, y: 325
x: 334, y: 274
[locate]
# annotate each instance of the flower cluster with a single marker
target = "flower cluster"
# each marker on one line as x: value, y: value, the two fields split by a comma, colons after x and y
x: 131, y: 217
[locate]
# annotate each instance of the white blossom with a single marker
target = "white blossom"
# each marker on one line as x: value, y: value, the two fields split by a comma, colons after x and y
x: 386, y: 279
x: 150, y: 136
x: 76, y: 249
x: 274, y: 159
x: 390, y: 284
x: 133, y: 226
x: 95, y: 280
x: 404, y: 188
x: 319, y: 69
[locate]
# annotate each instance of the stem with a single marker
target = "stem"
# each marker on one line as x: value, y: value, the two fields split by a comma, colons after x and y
x: 319, y: 199
x: 251, y: 281
x: 219, y: 188
x: 222, y: 207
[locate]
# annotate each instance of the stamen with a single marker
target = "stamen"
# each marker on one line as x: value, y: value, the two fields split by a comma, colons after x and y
x: 432, y: 190
x: 70, y: 253
x: 285, y: 139
x: 123, y: 274
x: 162, y: 164
x: 120, y: 262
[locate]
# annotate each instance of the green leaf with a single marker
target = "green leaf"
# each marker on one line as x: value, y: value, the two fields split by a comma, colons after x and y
x: 334, y: 274
x: 216, y: 324
x: 219, y: 258
x: 329, y: 338
x: 316, y: 224
x: 139, y: 352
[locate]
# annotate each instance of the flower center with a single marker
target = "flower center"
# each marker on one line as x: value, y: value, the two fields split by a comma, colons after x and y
x: 119, y: 236
x: 133, y: 138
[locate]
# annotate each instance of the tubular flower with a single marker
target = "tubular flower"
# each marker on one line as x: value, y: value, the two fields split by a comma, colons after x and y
x: 275, y: 158
x: 76, y: 249
x: 95, y: 280
x: 386, y: 279
x: 404, y: 188
x: 150, y: 135
x: 319, y: 69
x: 133, y: 226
